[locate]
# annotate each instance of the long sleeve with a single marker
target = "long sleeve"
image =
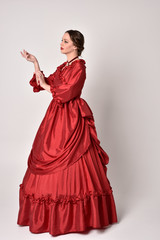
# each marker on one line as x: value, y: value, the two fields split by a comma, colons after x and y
x: 48, y: 80
x: 65, y: 92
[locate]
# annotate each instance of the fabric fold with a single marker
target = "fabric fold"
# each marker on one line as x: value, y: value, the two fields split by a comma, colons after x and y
x: 65, y: 188
x: 71, y: 200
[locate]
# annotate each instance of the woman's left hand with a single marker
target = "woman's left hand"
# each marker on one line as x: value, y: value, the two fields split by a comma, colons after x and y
x: 40, y: 78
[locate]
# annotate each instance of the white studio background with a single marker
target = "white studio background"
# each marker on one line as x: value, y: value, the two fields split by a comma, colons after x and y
x: 122, y: 54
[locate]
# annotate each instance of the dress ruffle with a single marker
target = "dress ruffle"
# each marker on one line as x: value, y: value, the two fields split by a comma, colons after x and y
x: 65, y: 188
x: 33, y: 83
x: 49, y: 199
x: 53, y: 90
x: 72, y: 200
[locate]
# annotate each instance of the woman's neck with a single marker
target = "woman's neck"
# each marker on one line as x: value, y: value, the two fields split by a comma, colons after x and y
x: 70, y: 57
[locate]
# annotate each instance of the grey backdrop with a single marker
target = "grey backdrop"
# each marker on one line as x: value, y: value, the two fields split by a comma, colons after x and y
x: 122, y: 54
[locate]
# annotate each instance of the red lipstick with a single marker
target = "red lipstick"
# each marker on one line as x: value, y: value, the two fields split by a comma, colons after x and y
x: 62, y: 48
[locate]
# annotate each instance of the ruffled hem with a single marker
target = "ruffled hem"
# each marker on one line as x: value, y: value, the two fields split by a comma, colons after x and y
x: 71, y: 200
x: 48, y: 199
x: 61, y: 216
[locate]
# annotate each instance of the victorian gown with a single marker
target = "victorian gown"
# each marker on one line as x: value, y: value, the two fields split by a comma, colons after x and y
x: 65, y: 188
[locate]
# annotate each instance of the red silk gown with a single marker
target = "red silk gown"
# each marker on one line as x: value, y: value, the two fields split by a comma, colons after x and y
x: 65, y: 188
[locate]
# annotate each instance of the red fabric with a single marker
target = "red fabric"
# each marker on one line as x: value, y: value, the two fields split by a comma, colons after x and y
x: 65, y: 188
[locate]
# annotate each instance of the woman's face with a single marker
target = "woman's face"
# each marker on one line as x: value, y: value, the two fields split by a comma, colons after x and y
x: 67, y: 44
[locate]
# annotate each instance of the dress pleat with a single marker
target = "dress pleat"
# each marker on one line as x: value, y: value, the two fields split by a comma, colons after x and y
x: 65, y: 188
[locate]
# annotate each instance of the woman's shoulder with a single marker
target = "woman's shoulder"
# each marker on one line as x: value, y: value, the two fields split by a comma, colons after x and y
x: 80, y: 63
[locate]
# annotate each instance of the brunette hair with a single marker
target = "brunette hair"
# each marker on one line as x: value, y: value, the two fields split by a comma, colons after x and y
x: 77, y: 39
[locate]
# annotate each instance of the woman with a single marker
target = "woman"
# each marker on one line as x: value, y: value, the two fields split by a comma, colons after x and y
x: 65, y: 188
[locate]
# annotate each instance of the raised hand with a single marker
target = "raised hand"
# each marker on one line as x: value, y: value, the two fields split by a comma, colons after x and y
x: 29, y: 57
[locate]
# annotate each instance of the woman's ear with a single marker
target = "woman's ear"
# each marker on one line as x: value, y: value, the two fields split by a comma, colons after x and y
x: 75, y: 48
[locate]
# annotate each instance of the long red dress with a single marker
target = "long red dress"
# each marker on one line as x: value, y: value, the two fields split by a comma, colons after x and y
x: 65, y: 188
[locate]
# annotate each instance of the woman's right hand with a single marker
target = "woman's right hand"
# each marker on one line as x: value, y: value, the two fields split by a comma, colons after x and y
x: 29, y: 57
